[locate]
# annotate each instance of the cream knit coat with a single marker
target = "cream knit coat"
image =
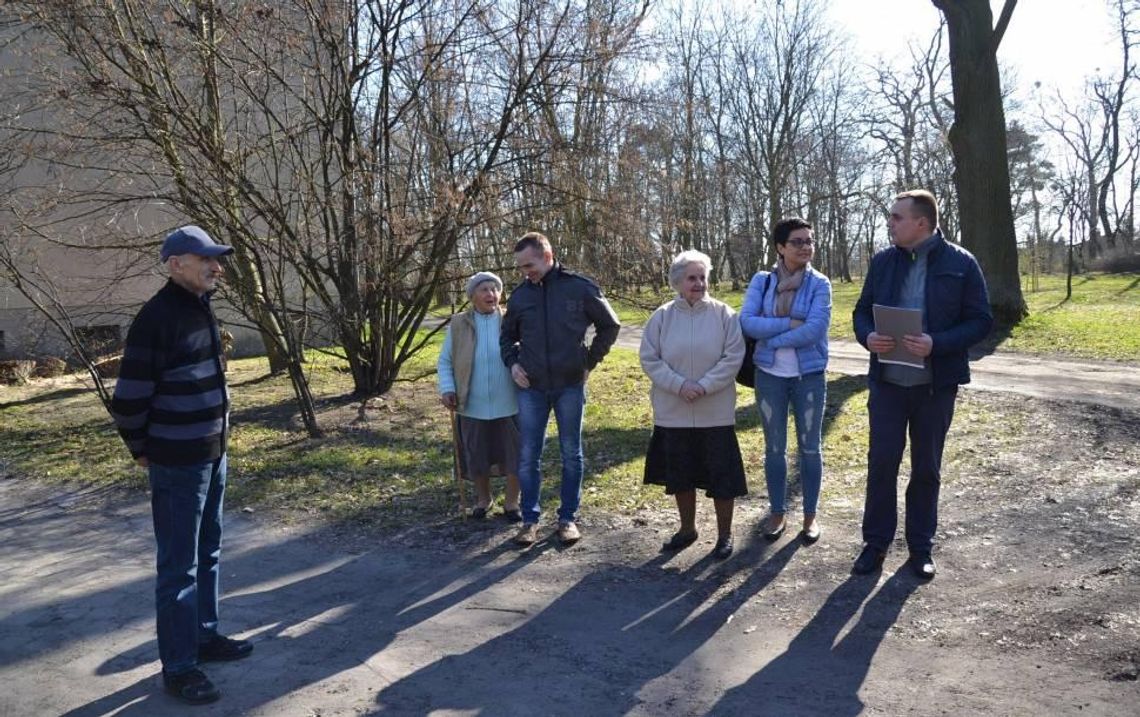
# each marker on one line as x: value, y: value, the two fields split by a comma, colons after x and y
x: 701, y: 343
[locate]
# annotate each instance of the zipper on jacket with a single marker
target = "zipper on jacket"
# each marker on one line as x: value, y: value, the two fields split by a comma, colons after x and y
x: 546, y: 325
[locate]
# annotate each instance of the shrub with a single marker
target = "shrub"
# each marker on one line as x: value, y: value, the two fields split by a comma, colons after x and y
x: 1119, y: 263
x: 17, y: 371
x: 50, y: 367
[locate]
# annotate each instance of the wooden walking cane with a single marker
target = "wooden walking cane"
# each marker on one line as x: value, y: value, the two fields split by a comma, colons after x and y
x: 457, y: 460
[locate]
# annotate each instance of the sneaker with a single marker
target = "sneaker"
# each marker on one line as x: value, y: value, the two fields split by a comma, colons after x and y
x: 192, y: 687
x: 568, y: 533
x: 527, y: 535
x: 224, y: 649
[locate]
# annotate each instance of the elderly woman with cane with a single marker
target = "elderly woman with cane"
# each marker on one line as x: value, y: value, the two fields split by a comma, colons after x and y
x: 474, y: 383
x: 691, y: 349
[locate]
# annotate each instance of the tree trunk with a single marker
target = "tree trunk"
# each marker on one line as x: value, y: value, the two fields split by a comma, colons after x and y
x: 978, y: 140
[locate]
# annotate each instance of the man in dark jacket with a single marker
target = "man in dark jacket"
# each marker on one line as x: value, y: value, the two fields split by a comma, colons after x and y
x: 921, y: 271
x: 543, y: 342
x: 171, y: 406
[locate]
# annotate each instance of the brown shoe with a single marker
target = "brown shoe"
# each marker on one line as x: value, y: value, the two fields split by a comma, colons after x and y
x: 568, y: 533
x: 527, y: 535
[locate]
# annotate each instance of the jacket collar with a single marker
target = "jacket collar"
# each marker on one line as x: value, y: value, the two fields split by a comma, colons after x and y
x: 927, y: 247
x: 173, y: 289
x: 683, y: 304
x: 555, y: 270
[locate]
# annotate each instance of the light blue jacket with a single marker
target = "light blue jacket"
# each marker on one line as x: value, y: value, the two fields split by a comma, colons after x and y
x: 812, y: 306
x: 491, y: 393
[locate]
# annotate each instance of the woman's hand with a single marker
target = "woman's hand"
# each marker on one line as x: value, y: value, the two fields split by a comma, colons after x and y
x: 449, y: 400
x: 691, y: 390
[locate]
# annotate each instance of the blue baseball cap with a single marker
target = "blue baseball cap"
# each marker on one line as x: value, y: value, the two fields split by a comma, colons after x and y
x: 192, y: 240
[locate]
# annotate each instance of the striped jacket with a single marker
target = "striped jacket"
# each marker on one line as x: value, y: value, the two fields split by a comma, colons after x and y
x: 171, y: 403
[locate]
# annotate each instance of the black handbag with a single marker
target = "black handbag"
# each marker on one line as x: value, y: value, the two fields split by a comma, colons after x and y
x: 746, y: 376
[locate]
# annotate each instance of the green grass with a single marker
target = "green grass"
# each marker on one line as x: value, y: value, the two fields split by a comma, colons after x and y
x: 1101, y: 320
x: 393, y: 468
x: 389, y: 463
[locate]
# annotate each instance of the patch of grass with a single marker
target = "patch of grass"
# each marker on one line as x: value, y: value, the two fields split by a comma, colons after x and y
x: 393, y: 466
x: 1101, y: 320
x: 388, y: 464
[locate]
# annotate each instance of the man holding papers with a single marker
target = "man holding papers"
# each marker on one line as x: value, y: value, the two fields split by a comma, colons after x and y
x: 914, y: 375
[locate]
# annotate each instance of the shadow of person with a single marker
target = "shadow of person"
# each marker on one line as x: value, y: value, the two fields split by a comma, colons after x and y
x: 313, y: 614
x: 595, y: 647
x: 818, y: 674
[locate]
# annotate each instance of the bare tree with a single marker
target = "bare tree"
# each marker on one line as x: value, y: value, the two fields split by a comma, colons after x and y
x: 344, y: 148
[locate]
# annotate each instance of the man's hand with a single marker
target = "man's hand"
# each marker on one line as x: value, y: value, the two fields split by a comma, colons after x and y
x: 518, y: 373
x: 880, y: 343
x: 691, y: 391
x: 920, y: 345
x: 143, y: 462
x: 449, y: 400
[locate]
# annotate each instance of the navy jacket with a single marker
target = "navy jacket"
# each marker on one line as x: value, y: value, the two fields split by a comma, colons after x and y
x: 957, y: 313
x: 544, y: 328
x: 171, y: 403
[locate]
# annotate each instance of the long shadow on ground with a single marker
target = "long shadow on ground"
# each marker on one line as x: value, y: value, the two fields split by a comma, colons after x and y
x: 599, y: 643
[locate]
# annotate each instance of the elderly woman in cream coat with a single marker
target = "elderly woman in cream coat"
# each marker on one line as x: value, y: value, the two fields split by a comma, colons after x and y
x: 474, y: 382
x: 691, y: 349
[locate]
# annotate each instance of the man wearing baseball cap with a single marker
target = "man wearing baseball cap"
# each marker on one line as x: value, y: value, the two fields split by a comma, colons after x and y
x: 171, y: 406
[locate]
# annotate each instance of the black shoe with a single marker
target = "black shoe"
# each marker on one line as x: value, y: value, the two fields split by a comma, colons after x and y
x: 479, y: 513
x: 192, y: 687
x: 922, y: 565
x: 774, y: 535
x: 723, y: 548
x: 869, y: 561
x: 679, y: 541
x: 224, y: 649
x: 512, y: 515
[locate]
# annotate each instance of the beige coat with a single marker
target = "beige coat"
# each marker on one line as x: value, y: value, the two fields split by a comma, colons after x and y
x: 699, y: 343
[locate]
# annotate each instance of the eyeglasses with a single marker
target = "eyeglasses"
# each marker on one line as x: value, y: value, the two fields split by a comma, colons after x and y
x: 800, y: 243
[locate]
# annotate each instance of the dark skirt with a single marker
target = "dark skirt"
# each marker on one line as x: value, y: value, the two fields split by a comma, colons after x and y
x: 489, y: 447
x: 684, y: 459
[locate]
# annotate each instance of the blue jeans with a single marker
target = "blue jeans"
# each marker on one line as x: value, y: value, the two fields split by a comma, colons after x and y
x: 534, y: 413
x: 896, y: 412
x: 186, y: 504
x: 805, y: 395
